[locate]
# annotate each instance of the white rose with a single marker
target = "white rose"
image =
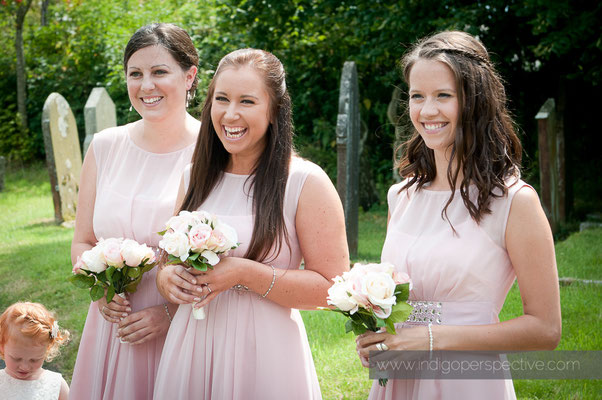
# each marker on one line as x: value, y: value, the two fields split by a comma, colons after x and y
x: 204, y: 217
x: 339, y: 297
x: 111, y: 249
x: 176, y: 244
x: 380, y: 289
x: 182, y: 221
x: 210, y: 256
x: 94, y: 260
x: 133, y: 253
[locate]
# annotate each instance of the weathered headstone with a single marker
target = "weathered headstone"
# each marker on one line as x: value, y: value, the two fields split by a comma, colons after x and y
x: 2, y: 172
x: 394, y: 113
x: 99, y: 114
x: 348, y: 137
x: 63, y: 156
x: 551, y: 162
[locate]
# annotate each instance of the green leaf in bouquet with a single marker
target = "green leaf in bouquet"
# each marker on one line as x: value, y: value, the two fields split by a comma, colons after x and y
x: 194, y: 256
x: 133, y: 272
x: 109, y: 273
x: 173, y: 259
x: 82, y: 281
x: 400, y: 312
x: 102, y: 276
x: 358, y: 328
x: 96, y: 292
x: 196, y: 264
x: 380, y: 323
x: 390, y: 326
x: 402, y: 292
x: 162, y: 232
x: 133, y: 286
x: 348, y: 326
x: 110, y: 293
x: 147, y: 268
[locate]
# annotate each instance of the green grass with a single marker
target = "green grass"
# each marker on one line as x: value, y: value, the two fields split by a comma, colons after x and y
x: 35, y: 261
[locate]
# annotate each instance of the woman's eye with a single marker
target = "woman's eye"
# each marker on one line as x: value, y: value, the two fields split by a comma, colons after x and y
x: 220, y: 98
x: 416, y: 96
x: 135, y: 74
x: 247, y: 101
x: 160, y: 72
x: 445, y: 95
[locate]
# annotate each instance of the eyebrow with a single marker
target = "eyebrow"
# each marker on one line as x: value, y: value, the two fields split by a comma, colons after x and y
x: 154, y: 66
x: 242, y: 97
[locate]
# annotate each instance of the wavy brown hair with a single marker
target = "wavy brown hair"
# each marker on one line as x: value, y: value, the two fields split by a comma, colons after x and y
x: 270, y: 174
x: 486, y: 146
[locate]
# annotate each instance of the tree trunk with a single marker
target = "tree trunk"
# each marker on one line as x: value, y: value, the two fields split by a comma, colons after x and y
x: 21, y: 81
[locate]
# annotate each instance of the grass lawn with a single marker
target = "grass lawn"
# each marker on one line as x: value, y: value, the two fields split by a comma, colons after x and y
x: 34, y: 264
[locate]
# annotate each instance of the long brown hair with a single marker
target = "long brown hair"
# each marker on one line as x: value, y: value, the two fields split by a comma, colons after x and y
x: 486, y: 146
x: 270, y: 174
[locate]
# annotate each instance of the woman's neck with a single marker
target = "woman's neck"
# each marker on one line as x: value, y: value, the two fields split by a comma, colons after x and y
x: 167, y: 135
x: 441, y: 164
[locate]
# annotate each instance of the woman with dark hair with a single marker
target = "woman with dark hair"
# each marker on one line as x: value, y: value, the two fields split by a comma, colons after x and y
x: 252, y: 343
x: 129, y: 184
x: 463, y: 224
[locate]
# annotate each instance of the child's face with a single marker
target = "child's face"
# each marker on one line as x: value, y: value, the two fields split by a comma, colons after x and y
x: 24, y: 358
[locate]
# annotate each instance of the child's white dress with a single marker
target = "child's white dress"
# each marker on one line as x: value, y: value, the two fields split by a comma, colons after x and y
x: 46, y: 387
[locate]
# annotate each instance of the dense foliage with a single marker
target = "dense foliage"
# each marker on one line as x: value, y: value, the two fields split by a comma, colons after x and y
x: 544, y: 48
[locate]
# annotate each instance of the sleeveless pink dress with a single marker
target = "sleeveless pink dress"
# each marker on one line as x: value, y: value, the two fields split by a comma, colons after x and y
x: 247, y: 347
x: 135, y: 194
x: 469, y: 273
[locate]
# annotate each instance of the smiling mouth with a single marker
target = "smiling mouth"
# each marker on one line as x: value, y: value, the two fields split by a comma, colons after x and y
x: 234, y: 132
x: 151, y: 100
x: 434, y: 126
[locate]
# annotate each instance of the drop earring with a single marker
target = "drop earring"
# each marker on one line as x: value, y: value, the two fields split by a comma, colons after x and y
x: 130, y: 108
x: 188, y: 98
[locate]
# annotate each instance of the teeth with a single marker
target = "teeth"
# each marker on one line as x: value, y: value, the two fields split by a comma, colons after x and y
x: 434, y: 126
x: 150, y: 100
x: 234, y: 132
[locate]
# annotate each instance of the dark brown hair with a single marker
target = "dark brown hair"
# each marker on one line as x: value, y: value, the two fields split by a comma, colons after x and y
x: 173, y: 38
x: 486, y: 146
x: 270, y: 174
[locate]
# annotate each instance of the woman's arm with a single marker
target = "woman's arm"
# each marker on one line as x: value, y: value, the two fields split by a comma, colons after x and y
x: 530, y: 247
x: 320, y: 225
x: 83, y: 237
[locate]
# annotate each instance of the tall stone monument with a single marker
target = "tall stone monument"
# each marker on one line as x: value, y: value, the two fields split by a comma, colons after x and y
x: 99, y: 114
x: 348, y: 159
x: 63, y: 156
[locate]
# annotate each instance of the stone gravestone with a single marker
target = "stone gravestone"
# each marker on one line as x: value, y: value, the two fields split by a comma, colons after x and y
x: 2, y: 172
x: 99, y: 114
x: 348, y: 137
x: 63, y: 156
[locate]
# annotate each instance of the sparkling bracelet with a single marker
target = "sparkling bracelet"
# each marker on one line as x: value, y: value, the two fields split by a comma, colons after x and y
x: 240, y: 288
x: 167, y: 312
x: 272, y: 284
x: 430, y: 337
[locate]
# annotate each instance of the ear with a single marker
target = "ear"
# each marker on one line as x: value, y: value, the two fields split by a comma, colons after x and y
x: 190, y: 74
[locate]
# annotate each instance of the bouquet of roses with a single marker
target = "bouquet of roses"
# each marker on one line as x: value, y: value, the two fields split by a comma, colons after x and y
x: 372, y: 296
x: 114, y: 265
x: 197, y: 239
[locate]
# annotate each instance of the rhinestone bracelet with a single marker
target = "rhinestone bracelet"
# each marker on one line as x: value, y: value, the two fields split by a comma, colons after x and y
x: 272, y: 284
x: 167, y: 312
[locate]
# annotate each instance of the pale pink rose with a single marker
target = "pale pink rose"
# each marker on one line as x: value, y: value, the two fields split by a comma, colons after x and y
x: 204, y: 217
x: 210, y: 256
x: 401, y: 277
x: 355, y: 277
x: 216, y: 241
x: 111, y: 249
x: 182, y: 222
x: 199, y: 235
x: 229, y: 234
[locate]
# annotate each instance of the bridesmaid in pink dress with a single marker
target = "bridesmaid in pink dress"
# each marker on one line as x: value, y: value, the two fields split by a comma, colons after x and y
x: 252, y: 343
x: 463, y: 225
x: 129, y: 185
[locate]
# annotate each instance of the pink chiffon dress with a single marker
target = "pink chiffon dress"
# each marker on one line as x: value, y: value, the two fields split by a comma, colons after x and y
x: 136, y: 192
x: 468, y: 273
x: 248, y: 347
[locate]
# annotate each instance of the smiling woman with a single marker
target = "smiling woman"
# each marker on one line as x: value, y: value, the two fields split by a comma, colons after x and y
x: 128, y: 190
